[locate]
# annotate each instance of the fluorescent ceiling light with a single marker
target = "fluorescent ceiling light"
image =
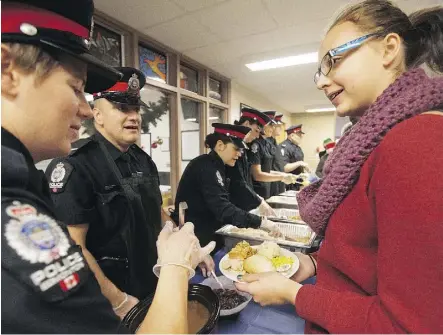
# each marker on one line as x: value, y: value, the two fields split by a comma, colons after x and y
x: 319, y: 110
x: 214, y: 118
x: 191, y: 119
x: 308, y: 58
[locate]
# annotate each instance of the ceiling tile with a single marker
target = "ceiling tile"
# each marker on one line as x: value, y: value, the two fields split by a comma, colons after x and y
x: 290, y: 12
x: 192, y: 34
x: 233, y: 19
x: 193, y: 5
x: 140, y: 14
x: 274, y: 44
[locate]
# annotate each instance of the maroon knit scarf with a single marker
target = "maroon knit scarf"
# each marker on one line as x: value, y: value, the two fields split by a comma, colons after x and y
x: 411, y: 94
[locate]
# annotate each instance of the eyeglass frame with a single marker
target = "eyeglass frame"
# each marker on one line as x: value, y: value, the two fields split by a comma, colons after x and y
x: 339, y: 50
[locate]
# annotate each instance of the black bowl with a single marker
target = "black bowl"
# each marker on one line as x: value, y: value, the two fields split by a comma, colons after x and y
x: 201, y: 293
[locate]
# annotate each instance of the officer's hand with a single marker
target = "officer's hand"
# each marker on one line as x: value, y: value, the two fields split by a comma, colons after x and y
x: 125, y: 306
x: 288, y: 179
x: 266, y: 210
x: 181, y: 247
x: 272, y: 227
x: 207, y: 266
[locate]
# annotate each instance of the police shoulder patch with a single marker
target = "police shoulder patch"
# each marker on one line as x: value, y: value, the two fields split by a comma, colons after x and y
x: 254, y: 148
x: 59, y: 175
x: 36, y: 238
x: 219, y: 178
x: 39, y: 252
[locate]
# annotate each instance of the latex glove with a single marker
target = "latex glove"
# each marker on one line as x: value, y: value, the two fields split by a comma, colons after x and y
x: 207, y: 266
x: 125, y: 306
x: 288, y: 179
x: 272, y: 227
x: 269, y: 288
x: 181, y: 247
x: 306, y: 269
x: 265, y: 209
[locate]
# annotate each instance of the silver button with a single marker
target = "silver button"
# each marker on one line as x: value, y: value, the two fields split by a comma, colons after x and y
x: 28, y: 29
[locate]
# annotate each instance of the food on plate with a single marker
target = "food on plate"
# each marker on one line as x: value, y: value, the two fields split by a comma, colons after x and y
x: 266, y: 257
x: 241, y: 251
x: 258, y: 264
x: 229, y: 299
x: 234, y: 264
x: 282, y: 262
x: 198, y: 316
x: 269, y: 250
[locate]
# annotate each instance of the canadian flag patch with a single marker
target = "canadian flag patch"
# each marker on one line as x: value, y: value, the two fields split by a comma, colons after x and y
x: 69, y: 282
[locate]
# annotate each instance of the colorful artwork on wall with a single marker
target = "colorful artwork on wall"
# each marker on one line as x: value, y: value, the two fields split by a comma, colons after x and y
x: 152, y: 64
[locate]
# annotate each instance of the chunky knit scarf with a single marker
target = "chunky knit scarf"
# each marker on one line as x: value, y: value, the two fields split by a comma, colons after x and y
x: 411, y: 94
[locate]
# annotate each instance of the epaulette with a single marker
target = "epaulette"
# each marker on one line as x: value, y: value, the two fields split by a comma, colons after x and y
x: 80, y: 144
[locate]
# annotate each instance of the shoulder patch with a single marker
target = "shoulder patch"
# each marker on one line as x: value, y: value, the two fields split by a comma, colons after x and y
x: 36, y: 238
x: 254, y: 148
x: 219, y: 178
x: 39, y: 252
x: 59, y: 176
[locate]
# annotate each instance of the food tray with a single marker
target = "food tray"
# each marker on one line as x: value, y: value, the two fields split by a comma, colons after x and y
x: 282, y: 202
x: 290, y: 193
x: 289, y: 229
x: 283, y: 215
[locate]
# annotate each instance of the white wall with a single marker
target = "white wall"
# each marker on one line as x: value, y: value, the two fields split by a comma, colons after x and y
x: 241, y: 94
x: 317, y: 128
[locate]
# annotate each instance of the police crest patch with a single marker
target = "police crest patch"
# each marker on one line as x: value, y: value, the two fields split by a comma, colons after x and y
x: 219, y: 178
x: 59, y: 176
x: 36, y: 238
x: 254, y: 148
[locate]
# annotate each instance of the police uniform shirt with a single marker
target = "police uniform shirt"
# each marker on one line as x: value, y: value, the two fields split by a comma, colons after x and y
x: 46, y: 284
x: 278, y: 164
x: 292, y: 153
x: 203, y: 187
x: 241, y: 191
x: 89, y: 192
x: 262, y: 153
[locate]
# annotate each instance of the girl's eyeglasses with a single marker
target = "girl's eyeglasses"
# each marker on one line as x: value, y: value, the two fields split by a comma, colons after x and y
x: 328, y: 60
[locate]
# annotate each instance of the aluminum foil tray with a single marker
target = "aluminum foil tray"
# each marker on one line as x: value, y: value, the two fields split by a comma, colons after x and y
x: 299, y: 236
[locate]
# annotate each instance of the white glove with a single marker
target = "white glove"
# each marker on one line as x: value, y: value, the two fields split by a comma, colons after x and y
x: 125, y: 306
x: 265, y: 209
x: 180, y: 247
x: 288, y: 179
x: 272, y: 227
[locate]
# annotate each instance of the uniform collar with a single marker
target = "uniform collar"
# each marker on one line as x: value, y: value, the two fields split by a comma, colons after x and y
x: 216, y: 158
x: 113, y: 150
x: 14, y: 143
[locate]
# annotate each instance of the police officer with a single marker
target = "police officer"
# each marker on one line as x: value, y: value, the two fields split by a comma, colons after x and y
x: 329, y: 146
x: 108, y: 192
x: 261, y: 156
x: 46, y: 284
x: 292, y: 153
x: 241, y: 189
x: 278, y: 164
x: 204, y: 186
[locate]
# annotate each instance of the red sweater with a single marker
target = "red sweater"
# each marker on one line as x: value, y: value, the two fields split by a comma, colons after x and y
x: 380, y: 268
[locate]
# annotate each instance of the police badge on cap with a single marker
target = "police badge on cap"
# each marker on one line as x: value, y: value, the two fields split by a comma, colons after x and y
x: 127, y: 90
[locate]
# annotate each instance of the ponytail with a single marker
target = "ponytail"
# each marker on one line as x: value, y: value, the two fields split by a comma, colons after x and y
x: 425, y: 46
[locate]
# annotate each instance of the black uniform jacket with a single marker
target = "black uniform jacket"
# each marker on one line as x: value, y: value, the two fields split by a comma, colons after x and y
x: 203, y: 187
x: 47, y: 286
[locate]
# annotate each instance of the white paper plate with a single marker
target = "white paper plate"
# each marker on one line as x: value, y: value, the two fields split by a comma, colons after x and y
x: 231, y: 274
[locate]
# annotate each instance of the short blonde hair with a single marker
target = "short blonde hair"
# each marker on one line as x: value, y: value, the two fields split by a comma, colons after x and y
x: 31, y: 58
